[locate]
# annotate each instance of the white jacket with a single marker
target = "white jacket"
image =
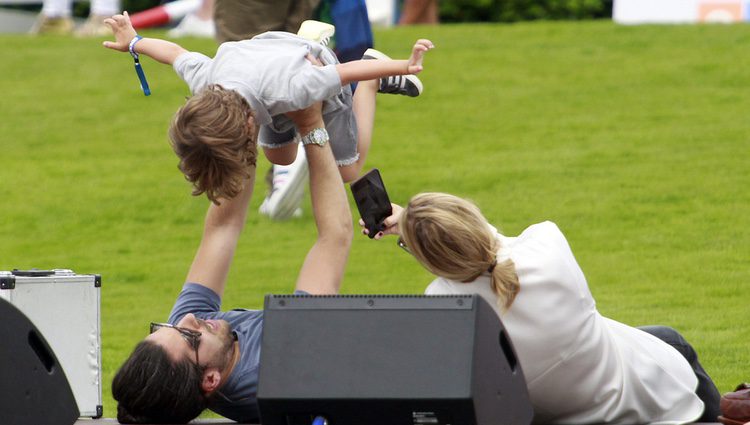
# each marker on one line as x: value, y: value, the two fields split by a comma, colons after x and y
x: 581, y: 367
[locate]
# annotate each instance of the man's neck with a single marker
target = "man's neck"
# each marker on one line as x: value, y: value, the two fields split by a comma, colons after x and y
x: 230, y: 366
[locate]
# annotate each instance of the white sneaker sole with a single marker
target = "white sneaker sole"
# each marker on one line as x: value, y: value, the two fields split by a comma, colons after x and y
x: 316, y: 31
x: 375, y: 54
x: 284, y: 202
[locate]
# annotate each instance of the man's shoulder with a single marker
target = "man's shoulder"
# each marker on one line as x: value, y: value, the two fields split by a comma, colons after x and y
x: 194, y: 298
x: 199, y: 290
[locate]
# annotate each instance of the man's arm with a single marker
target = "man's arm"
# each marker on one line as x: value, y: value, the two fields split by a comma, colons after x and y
x: 324, y: 265
x: 160, y: 50
x: 221, y: 232
x: 363, y: 70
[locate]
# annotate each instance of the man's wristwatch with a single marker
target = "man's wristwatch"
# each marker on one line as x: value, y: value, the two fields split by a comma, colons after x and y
x: 318, y: 136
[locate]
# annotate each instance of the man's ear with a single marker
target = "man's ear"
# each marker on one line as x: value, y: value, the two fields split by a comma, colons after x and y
x: 211, y: 380
x: 251, y: 123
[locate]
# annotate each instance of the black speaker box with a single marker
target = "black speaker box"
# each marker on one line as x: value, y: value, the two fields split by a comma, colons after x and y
x: 33, y: 387
x: 396, y: 360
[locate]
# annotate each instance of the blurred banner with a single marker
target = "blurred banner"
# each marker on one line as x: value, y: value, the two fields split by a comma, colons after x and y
x: 680, y: 11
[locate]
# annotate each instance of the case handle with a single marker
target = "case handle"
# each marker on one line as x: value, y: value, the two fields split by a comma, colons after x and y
x: 32, y: 273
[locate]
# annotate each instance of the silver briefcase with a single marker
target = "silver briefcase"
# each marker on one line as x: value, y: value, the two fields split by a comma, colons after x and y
x: 65, y: 308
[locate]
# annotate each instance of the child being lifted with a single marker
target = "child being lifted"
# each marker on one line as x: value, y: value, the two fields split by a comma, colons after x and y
x: 241, y: 95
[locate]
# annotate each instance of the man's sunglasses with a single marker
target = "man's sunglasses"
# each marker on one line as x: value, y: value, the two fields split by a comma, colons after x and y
x: 192, y: 337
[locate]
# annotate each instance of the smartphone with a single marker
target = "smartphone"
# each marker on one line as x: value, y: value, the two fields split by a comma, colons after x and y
x: 372, y: 201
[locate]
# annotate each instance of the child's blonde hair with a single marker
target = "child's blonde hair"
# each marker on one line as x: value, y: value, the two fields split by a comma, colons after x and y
x: 452, y: 239
x: 215, y: 142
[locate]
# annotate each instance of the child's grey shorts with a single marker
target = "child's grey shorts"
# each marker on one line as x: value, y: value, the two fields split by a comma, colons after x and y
x: 340, y: 124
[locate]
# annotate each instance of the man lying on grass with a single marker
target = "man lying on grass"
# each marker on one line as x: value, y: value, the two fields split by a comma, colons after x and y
x: 205, y: 358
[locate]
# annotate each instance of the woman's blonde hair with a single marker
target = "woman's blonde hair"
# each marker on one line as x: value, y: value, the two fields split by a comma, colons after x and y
x: 214, y: 141
x: 452, y: 239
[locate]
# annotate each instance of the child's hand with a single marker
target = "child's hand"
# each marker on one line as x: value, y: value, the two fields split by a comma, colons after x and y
x: 123, y: 31
x: 422, y: 45
x: 313, y: 60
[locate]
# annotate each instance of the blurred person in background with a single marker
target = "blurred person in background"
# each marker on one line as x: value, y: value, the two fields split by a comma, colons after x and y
x: 244, y: 19
x: 419, y: 12
x: 199, y: 23
x: 56, y: 18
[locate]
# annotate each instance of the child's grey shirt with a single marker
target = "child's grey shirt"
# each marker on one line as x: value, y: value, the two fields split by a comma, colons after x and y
x: 272, y: 72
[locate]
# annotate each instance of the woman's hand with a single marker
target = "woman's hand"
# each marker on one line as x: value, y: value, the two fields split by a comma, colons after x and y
x: 390, y: 223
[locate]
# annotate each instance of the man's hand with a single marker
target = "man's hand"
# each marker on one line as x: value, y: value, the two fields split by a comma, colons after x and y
x: 414, y: 65
x: 390, y: 223
x: 307, y: 119
x: 123, y: 31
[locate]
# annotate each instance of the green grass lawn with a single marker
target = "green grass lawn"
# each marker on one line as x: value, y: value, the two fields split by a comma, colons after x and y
x: 634, y: 140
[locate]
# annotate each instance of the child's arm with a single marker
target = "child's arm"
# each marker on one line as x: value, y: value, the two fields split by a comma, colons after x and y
x: 368, y: 69
x: 160, y: 50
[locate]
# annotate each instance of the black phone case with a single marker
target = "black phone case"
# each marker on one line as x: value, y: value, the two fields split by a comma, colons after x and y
x: 372, y: 201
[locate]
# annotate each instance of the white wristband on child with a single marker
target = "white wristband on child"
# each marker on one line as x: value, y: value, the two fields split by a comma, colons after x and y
x: 131, y: 46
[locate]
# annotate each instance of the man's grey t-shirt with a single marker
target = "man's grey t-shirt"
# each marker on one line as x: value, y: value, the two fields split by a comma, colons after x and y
x: 236, y: 399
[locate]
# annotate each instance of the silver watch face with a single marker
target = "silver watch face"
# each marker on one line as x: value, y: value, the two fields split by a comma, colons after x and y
x: 318, y: 137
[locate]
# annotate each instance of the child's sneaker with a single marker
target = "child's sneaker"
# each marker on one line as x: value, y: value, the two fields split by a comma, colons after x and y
x: 407, y: 85
x: 52, y: 25
x: 287, y: 189
x: 264, y: 210
x: 319, y: 32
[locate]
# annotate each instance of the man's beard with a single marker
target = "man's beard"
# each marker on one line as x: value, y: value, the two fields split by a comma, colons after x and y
x: 224, y: 355
x: 227, y: 348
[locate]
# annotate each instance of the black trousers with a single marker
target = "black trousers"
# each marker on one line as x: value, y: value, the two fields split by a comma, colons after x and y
x: 706, y: 390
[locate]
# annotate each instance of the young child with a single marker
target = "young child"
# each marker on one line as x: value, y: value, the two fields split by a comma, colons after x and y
x: 243, y: 92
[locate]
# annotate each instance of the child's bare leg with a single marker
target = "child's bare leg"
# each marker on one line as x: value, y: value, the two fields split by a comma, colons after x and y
x: 284, y: 155
x: 363, y: 105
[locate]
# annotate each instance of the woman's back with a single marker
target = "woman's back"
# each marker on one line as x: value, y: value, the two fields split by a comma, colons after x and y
x: 579, y: 366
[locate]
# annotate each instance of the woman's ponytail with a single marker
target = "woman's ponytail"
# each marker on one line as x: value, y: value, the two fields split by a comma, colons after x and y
x: 451, y: 238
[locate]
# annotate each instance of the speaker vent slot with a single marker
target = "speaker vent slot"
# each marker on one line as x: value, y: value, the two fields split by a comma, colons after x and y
x: 508, y: 351
x: 42, y: 351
